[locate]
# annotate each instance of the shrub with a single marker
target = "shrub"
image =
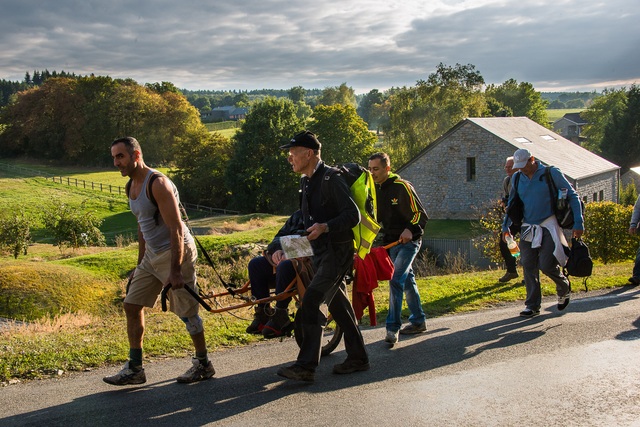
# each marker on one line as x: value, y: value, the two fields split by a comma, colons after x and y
x: 606, y: 232
x: 629, y: 195
x: 72, y: 226
x: 15, y: 233
x: 606, y: 225
x: 490, y: 226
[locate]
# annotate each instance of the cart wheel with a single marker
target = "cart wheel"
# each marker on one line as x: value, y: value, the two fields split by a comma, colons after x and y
x: 330, y: 339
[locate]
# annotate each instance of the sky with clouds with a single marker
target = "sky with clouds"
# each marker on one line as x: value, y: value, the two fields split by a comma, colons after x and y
x: 557, y: 45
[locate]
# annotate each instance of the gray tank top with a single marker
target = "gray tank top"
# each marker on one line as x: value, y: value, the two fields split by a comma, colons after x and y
x: 156, y: 237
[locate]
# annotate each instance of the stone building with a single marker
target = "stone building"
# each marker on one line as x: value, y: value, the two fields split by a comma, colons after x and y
x: 570, y: 126
x: 459, y: 174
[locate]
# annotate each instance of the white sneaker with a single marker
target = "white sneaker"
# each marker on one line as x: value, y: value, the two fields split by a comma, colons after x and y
x: 127, y: 376
x: 392, y: 337
x: 197, y: 372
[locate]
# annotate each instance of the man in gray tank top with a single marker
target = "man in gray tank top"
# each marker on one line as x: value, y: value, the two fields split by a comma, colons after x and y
x: 166, y: 255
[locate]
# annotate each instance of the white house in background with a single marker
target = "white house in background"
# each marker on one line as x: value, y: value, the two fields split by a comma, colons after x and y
x: 459, y: 173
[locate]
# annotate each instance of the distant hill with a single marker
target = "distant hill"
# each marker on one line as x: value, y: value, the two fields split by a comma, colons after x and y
x: 570, y: 100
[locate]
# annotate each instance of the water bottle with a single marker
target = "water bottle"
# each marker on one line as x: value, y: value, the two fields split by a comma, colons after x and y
x: 512, y: 245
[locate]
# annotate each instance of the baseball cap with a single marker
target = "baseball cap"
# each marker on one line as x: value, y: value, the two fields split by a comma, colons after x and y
x: 521, y: 158
x: 304, y: 139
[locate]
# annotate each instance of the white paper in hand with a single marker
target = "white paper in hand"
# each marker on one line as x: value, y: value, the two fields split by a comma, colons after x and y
x: 296, y: 246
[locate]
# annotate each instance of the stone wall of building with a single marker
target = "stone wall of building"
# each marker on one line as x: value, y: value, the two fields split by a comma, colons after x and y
x: 440, y: 175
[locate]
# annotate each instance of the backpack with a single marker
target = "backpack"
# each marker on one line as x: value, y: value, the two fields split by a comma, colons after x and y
x: 153, y: 177
x: 363, y: 191
x: 561, y: 207
x: 579, y: 263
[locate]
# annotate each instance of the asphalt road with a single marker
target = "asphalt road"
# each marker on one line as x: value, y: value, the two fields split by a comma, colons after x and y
x: 487, y: 368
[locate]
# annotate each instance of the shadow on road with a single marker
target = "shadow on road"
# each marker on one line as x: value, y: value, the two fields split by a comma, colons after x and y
x: 171, y: 404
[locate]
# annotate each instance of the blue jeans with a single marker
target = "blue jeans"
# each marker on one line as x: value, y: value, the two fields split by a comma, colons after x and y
x: 402, y: 282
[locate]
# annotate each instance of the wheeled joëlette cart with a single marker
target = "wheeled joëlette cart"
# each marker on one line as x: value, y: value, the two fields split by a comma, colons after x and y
x: 236, y: 298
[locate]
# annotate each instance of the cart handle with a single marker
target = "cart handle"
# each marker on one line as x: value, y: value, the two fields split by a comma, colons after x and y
x: 392, y: 244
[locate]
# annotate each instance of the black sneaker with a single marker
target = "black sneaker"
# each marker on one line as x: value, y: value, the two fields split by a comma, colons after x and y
x: 296, y: 372
x: 350, y: 366
x: 508, y: 276
x: 563, y: 301
x: 528, y: 312
x: 634, y: 281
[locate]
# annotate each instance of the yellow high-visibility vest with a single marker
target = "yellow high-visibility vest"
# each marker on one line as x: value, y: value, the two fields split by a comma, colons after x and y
x: 363, y: 192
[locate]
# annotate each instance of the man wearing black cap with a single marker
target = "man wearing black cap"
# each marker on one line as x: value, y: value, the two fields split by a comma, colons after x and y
x: 328, y: 218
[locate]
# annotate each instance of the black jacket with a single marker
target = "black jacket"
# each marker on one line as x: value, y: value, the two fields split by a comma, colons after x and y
x: 335, y: 207
x: 398, y: 208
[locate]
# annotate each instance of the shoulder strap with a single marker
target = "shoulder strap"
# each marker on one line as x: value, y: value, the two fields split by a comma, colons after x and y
x: 515, y: 182
x: 127, y: 187
x: 552, y: 188
x: 152, y: 178
x: 323, y: 185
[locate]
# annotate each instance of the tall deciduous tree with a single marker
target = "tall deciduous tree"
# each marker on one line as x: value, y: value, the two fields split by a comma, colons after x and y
x: 521, y: 98
x: 419, y: 115
x: 296, y: 94
x: 599, y: 115
x: 621, y: 139
x: 75, y: 119
x: 258, y: 176
x: 366, y: 108
x: 343, y: 134
x: 342, y: 94
x: 200, y: 163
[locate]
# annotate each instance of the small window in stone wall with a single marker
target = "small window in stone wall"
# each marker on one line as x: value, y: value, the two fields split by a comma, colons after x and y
x: 471, y: 168
x: 595, y: 197
x: 585, y: 200
x: 601, y: 196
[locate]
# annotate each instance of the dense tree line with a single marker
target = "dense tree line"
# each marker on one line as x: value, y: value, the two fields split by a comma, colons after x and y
x: 560, y: 100
x: 206, y: 100
x: 9, y: 88
x: 72, y: 120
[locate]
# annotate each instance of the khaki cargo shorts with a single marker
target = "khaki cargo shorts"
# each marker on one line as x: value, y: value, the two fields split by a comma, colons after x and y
x: 151, y: 274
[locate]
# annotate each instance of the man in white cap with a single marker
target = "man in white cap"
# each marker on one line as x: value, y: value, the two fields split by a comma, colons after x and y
x: 542, y: 242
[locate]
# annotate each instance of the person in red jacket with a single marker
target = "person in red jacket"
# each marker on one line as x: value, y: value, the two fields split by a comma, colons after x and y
x: 403, y: 218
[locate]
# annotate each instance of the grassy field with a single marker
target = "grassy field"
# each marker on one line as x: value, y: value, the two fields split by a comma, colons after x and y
x: 554, y: 115
x: 72, y: 300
